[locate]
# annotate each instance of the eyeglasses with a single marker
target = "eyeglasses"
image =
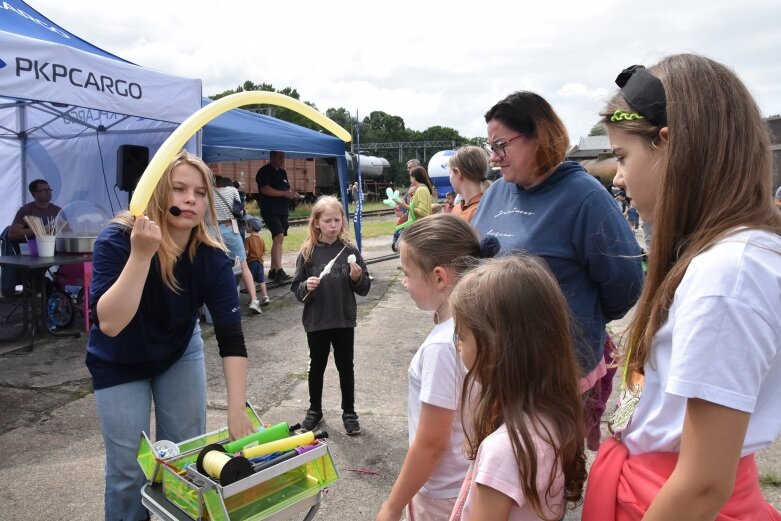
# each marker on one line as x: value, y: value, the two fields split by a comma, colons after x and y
x: 45, y: 190
x: 498, y: 148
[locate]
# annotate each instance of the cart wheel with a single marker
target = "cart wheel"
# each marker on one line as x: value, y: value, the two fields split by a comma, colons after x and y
x: 60, y: 311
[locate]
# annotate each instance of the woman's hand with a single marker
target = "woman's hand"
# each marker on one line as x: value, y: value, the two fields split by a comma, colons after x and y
x: 355, y: 272
x: 239, y: 424
x: 119, y: 304
x: 312, y: 283
x: 235, y: 370
x: 144, y: 239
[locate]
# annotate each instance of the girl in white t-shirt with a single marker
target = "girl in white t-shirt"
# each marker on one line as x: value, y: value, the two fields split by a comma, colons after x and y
x: 694, y: 155
x: 521, y: 400
x: 434, y: 253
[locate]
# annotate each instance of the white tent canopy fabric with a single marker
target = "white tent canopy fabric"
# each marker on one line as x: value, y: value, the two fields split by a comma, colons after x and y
x: 43, y: 71
x: 66, y: 106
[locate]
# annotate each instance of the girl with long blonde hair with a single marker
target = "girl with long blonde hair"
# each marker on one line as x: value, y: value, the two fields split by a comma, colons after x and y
x: 150, y: 276
x: 329, y: 273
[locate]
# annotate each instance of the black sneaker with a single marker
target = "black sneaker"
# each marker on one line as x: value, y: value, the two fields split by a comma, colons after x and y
x: 280, y: 275
x: 271, y: 275
x: 351, y: 425
x: 312, y: 420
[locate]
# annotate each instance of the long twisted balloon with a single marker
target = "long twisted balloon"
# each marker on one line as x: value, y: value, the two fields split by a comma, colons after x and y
x: 188, y: 128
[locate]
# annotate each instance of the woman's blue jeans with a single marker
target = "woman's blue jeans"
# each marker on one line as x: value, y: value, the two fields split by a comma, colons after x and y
x: 179, y: 396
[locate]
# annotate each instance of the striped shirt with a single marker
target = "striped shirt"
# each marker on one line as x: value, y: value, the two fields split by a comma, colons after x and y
x: 222, y: 209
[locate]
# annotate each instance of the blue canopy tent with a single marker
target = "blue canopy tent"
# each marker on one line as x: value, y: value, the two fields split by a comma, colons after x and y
x: 67, y: 105
x: 240, y: 135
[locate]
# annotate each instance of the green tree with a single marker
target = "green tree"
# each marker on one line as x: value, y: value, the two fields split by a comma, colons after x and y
x: 273, y: 110
x: 439, y: 133
x: 380, y: 127
x: 343, y: 118
x: 598, y: 130
x: 477, y: 141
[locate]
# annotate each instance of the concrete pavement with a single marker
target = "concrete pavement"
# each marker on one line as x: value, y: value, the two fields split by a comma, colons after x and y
x: 52, y: 448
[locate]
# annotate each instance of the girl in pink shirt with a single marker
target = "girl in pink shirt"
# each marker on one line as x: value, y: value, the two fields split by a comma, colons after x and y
x: 521, y: 404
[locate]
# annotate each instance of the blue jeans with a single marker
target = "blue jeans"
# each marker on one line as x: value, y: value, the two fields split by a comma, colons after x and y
x: 180, y: 412
x: 233, y: 241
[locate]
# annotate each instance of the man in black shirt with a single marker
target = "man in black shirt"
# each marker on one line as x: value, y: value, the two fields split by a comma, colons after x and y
x: 275, y: 192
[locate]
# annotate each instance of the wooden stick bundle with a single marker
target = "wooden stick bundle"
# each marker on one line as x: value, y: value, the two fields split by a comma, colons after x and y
x: 36, y: 225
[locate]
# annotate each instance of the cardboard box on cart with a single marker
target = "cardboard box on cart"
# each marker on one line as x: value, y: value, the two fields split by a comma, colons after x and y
x: 259, y: 496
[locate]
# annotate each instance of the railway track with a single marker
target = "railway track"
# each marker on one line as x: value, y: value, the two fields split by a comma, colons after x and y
x: 300, y: 221
x: 368, y: 213
x: 375, y: 260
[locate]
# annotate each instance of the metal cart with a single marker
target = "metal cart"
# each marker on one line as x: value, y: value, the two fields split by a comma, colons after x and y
x: 177, y: 491
x: 153, y: 498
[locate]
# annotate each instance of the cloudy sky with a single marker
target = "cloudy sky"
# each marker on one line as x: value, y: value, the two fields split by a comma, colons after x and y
x: 432, y: 63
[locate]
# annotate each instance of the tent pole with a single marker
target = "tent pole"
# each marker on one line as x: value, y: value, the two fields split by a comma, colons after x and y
x: 359, y: 179
x: 21, y: 118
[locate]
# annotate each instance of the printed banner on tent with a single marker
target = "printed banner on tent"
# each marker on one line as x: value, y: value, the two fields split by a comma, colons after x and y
x: 39, y: 70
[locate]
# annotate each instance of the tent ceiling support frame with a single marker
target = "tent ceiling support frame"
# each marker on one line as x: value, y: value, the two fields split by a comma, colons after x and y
x: 21, y: 118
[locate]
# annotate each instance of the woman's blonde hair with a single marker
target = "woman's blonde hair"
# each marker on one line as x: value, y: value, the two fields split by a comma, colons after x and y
x: 158, y: 208
x: 716, y: 176
x: 322, y: 205
x: 525, y: 374
x: 472, y: 163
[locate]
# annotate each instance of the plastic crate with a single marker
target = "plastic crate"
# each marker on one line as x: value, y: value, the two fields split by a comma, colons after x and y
x: 259, y: 496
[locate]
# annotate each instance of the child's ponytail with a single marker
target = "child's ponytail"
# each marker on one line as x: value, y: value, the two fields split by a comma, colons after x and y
x: 448, y: 241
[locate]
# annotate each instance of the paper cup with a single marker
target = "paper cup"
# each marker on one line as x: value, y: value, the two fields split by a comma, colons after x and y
x: 32, y: 245
x: 45, y: 245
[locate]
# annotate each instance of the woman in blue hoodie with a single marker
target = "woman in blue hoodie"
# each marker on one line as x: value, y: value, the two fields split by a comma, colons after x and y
x: 553, y: 208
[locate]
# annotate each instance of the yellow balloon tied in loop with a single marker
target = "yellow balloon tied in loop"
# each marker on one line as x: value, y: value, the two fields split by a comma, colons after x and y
x: 188, y: 128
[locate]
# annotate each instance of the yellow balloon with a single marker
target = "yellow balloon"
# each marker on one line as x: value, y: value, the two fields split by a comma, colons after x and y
x: 188, y: 128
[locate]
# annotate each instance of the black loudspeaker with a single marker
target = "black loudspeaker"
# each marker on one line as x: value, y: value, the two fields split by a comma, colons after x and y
x: 131, y: 163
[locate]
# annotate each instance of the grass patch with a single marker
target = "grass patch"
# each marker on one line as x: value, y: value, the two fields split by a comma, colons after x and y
x: 770, y: 479
x: 304, y: 210
x: 301, y: 211
x: 296, y: 236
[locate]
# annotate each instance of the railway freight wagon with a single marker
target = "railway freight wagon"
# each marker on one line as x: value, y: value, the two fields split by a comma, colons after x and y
x: 309, y: 177
x: 301, y: 173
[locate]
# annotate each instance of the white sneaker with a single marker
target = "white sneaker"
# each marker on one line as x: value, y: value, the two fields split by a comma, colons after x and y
x: 265, y: 301
x: 254, y: 305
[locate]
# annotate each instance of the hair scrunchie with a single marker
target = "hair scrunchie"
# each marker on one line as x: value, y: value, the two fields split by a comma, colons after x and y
x: 489, y: 247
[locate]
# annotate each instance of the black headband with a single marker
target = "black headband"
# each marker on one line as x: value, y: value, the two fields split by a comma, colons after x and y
x: 645, y: 93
